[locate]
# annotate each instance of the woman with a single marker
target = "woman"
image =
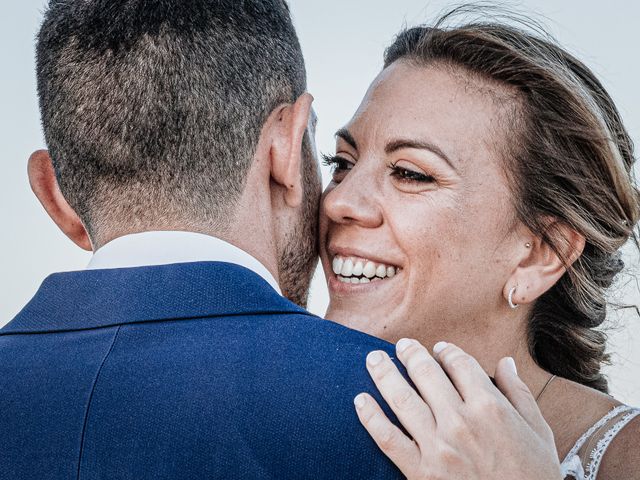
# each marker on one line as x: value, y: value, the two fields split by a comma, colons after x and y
x: 481, y: 195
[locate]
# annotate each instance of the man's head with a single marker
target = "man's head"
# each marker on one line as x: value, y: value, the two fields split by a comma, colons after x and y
x: 156, y: 113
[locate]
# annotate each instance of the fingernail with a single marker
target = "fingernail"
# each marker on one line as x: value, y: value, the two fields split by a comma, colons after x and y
x: 439, y: 347
x: 512, y: 365
x: 360, y: 401
x: 403, y: 344
x: 374, y: 358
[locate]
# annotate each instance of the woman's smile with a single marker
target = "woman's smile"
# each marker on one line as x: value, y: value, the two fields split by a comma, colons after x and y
x: 357, y: 273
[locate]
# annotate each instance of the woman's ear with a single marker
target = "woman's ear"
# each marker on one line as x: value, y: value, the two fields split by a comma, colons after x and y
x: 43, y: 182
x: 289, y: 127
x: 540, y: 266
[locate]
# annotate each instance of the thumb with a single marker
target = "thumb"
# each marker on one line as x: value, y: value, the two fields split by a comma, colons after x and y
x: 519, y: 395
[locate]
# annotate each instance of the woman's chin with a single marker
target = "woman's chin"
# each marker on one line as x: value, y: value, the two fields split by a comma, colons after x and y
x: 369, y: 306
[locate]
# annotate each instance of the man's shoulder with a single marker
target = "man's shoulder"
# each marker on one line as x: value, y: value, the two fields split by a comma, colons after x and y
x: 279, y: 362
x: 265, y: 348
x: 323, y: 330
x: 276, y: 385
x: 287, y: 328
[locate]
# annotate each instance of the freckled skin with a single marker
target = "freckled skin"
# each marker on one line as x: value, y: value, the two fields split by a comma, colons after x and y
x: 456, y: 240
x: 453, y: 238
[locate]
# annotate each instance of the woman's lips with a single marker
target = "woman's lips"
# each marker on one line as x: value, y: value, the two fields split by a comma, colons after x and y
x: 353, y: 267
x: 354, y: 274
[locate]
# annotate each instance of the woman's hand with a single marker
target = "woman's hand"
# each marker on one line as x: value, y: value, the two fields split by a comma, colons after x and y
x: 462, y: 426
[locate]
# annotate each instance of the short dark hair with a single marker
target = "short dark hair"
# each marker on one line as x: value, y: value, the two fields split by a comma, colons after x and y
x: 154, y: 106
x: 570, y: 159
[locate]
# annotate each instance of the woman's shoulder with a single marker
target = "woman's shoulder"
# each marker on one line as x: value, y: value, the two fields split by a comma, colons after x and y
x: 600, y: 430
x: 572, y: 410
x: 621, y: 459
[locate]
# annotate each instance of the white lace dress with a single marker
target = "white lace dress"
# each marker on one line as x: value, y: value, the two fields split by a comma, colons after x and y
x: 583, y: 461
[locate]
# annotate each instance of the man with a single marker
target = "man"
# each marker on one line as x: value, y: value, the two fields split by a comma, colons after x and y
x: 181, y: 152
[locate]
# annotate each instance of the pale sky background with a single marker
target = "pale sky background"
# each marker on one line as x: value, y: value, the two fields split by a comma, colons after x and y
x: 343, y: 43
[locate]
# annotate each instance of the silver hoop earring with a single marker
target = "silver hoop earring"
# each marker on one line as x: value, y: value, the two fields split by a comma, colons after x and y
x: 511, y: 304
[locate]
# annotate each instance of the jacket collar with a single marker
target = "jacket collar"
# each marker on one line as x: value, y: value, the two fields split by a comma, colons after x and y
x: 101, y: 298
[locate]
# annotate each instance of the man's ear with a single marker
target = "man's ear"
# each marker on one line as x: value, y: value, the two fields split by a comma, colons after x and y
x: 43, y: 182
x: 541, y: 267
x: 290, y: 124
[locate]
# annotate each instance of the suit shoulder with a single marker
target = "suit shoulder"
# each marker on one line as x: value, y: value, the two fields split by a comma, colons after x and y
x: 328, y: 331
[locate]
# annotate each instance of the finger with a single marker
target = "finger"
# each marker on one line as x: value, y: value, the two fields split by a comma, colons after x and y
x: 466, y: 374
x: 411, y: 410
x: 428, y: 376
x: 519, y: 395
x: 396, y: 445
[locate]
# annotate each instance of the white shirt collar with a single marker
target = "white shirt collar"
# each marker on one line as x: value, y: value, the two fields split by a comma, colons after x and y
x: 163, y: 248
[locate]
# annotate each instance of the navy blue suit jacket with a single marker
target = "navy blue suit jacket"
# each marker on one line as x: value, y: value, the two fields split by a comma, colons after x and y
x: 187, y: 371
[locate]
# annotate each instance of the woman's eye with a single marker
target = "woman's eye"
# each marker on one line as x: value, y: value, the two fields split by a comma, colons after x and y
x: 339, y: 165
x: 407, y: 175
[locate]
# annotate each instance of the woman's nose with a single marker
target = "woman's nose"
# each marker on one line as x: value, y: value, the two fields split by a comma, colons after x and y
x: 353, y: 201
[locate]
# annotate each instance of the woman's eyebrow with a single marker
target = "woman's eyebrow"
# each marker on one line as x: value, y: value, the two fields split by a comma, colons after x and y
x: 344, y: 134
x: 396, y: 145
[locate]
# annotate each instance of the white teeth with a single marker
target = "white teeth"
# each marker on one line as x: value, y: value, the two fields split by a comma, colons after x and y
x: 358, y: 268
x: 353, y: 280
x: 353, y: 270
x: 369, y: 270
x: 337, y: 265
x: 347, y: 268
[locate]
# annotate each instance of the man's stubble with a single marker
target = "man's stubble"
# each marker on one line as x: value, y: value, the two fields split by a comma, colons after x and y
x: 299, y: 257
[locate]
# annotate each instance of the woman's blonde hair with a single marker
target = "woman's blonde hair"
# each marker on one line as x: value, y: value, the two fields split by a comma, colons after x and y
x: 569, y: 162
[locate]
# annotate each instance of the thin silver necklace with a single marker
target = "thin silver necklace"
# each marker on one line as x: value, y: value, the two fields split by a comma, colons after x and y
x: 546, y: 385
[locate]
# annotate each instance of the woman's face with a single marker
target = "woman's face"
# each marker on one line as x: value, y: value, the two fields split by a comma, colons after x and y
x: 418, y: 221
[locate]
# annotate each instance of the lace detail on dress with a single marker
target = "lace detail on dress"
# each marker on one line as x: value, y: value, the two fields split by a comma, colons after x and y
x: 581, y: 441
x: 572, y: 464
x: 595, y: 457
